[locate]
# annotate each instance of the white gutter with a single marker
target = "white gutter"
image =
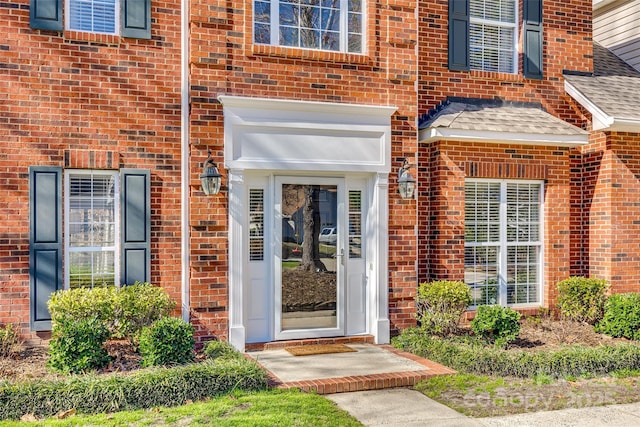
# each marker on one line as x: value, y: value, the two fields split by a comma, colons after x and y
x: 443, y: 134
x: 184, y: 156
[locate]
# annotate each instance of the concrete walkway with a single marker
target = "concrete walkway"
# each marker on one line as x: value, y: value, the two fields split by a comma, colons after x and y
x: 373, y: 384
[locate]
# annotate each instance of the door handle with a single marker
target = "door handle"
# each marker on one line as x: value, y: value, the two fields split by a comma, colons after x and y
x: 341, y: 256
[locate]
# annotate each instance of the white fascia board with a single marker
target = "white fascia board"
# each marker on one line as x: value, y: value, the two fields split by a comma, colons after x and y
x: 440, y: 134
x: 601, y: 120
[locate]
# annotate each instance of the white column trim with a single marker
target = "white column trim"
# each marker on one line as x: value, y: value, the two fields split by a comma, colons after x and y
x: 379, y: 261
x: 237, y: 335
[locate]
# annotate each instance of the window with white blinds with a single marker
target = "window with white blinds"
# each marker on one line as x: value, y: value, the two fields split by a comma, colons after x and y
x: 256, y: 225
x: 355, y: 224
x: 493, y: 35
x: 97, y: 16
x: 92, y: 228
x: 503, y: 241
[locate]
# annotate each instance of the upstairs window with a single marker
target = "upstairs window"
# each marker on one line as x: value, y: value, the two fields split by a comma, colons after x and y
x: 96, y: 16
x: 493, y: 35
x: 484, y: 34
x: 126, y: 18
x: 331, y: 25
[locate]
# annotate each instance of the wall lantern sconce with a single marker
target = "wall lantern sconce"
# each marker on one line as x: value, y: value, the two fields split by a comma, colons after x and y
x: 210, y: 178
x: 406, y: 181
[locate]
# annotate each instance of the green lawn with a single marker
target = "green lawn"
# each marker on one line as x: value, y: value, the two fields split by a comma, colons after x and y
x: 268, y: 408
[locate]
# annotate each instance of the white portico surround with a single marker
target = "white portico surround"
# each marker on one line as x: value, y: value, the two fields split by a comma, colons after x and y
x: 265, y: 138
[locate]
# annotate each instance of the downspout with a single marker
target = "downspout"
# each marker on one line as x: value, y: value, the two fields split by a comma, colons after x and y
x: 184, y: 147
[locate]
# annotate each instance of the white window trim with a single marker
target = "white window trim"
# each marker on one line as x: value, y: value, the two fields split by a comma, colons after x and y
x: 503, y: 24
x: 344, y: 28
x: 503, y: 244
x: 67, y: 207
x: 67, y: 24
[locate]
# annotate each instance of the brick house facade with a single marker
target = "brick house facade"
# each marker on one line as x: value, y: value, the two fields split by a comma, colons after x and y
x: 128, y: 108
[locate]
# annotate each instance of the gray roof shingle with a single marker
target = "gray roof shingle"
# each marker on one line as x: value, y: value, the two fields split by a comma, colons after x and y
x: 497, y: 116
x: 614, y: 87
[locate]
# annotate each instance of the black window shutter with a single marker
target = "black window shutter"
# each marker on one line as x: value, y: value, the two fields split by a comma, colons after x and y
x: 532, y: 39
x: 136, y: 18
x: 46, y: 15
x: 45, y: 242
x: 135, y: 205
x: 459, y: 35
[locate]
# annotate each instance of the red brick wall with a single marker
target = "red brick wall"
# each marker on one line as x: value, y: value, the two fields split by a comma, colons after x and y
x: 225, y: 61
x: 567, y: 46
x: 611, y: 214
x: 86, y: 101
x: 451, y: 162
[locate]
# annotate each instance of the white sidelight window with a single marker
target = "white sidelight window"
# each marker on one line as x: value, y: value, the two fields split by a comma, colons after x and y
x: 332, y: 25
x: 503, y: 241
x: 256, y: 225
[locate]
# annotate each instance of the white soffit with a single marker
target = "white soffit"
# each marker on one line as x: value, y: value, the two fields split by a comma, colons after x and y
x: 277, y: 134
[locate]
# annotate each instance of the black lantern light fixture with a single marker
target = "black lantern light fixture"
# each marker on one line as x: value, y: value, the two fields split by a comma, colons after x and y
x: 210, y: 178
x: 406, y: 181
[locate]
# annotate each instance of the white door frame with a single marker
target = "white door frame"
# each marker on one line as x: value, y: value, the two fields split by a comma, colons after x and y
x: 286, y: 137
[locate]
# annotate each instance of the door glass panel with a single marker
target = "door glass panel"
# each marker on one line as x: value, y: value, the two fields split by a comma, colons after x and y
x: 309, y: 262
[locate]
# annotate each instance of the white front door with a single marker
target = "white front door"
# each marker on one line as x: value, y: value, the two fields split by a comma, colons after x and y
x: 309, y: 257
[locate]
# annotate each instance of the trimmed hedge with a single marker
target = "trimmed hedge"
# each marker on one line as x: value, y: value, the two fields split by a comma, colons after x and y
x: 470, y: 356
x: 216, y: 349
x: 149, y: 388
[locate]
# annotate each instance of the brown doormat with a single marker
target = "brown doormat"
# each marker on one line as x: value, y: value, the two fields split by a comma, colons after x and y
x: 307, y: 350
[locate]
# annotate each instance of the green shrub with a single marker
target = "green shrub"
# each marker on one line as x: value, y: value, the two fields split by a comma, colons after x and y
x: 78, y: 346
x: 124, y: 311
x: 440, y: 304
x: 621, y: 316
x: 139, y: 305
x: 582, y: 299
x: 149, y: 388
x: 168, y: 341
x: 9, y: 340
x: 470, y: 355
x: 216, y: 349
x: 499, y: 325
x: 83, y: 303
